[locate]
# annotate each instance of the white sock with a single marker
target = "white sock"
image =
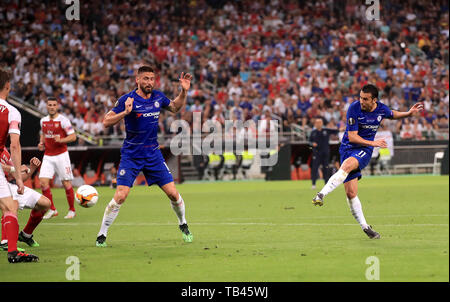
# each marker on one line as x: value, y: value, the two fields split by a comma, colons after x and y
x: 179, y: 209
x: 111, y: 212
x: 334, y: 181
x: 356, y: 209
x: 4, y: 241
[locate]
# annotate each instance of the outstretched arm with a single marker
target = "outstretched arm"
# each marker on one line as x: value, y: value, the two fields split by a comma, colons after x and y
x: 414, y: 109
x: 180, y: 100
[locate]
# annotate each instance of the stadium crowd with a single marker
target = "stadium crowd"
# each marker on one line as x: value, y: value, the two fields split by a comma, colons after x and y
x: 298, y: 60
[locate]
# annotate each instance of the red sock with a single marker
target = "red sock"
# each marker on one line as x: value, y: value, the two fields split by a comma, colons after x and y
x: 11, y: 226
x: 70, y: 198
x: 47, y: 193
x: 3, y: 231
x: 33, y: 221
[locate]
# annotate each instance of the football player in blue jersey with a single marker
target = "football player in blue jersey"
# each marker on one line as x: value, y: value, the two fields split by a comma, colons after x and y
x: 363, y: 119
x: 140, y: 110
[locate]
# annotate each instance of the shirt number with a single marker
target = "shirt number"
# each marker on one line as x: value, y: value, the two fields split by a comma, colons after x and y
x: 361, y: 154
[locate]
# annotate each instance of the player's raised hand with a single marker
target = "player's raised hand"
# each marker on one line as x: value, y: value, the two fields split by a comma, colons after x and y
x: 35, y: 162
x: 416, y: 108
x: 129, y: 105
x: 380, y: 143
x: 185, y: 81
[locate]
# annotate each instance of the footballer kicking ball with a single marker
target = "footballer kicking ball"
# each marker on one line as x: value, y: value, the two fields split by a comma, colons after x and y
x: 86, y: 196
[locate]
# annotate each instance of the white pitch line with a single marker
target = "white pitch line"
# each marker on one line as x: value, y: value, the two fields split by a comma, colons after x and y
x: 241, y: 224
x: 345, y: 216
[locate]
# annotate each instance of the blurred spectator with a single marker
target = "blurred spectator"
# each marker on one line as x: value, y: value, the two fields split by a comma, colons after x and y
x: 264, y: 55
x: 78, y: 180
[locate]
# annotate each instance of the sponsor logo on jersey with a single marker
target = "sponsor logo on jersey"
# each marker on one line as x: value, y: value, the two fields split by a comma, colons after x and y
x: 373, y: 127
x: 150, y: 114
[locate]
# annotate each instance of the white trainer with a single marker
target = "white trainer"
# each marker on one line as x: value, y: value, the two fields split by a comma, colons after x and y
x: 50, y: 213
x: 70, y: 215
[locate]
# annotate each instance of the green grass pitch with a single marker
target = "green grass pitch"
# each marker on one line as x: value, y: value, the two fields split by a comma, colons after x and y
x: 251, y: 231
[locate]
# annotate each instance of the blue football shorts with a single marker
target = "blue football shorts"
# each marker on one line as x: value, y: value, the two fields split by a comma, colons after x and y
x: 155, y: 171
x: 363, y: 155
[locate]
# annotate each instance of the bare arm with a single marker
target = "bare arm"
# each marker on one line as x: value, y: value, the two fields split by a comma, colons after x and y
x: 68, y: 139
x: 399, y: 115
x: 176, y: 105
x: 41, y: 145
x: 16, y: 157
x: 185, y: 83
x: 354, y: 138
x: 25, y: 172
x: 112, y: 118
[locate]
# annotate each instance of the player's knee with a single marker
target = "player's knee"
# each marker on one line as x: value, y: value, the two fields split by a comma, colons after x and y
x: 173, y: 195
x: 43, y: 204
x: 44, y: 184
x: 67, y: 184
x: 120, y: 196
x: 351, y: 194
x: 9, y: 206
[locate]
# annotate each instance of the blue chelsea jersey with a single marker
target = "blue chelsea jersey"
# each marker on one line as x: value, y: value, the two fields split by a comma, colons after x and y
x: 141, y: 124
x: 366, y: 123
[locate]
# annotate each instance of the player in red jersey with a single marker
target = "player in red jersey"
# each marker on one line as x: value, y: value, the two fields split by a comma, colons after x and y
x: 10, y: 125
x: 57, y: 131
x: 30, y: 199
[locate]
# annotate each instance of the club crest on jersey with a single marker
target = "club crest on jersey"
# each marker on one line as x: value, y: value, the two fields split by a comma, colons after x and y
x: 379, y: 118
x: 157, y: 104
x: 351, y: 121
x: 122, y: 172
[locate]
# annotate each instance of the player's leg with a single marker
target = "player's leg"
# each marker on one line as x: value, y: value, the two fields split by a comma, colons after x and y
x: 325, y: 167
x: 38, y: 204
x: 127, y: 173
x: 314, y: 170
x: 70, y: 195
x: 161, y: 175
x: 10, y: 224
x: 350, y: 164
x: 351, y: 190
x: 64, y: 171
x: 46, y: 174
x: 46, y: 191
x: 179, y: 208
x: 111, y: 212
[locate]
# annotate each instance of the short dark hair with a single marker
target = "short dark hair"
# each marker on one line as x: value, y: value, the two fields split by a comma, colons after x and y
x: 372, y: 89
x: 5, y: 77
x: 145, y: 68
x: 52, y: 98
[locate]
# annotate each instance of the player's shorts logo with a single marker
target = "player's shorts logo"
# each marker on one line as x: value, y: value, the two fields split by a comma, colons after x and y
x: 156, y: 104
x: 122, y: 172
x: 351, y: 121
x: 379, y: 118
